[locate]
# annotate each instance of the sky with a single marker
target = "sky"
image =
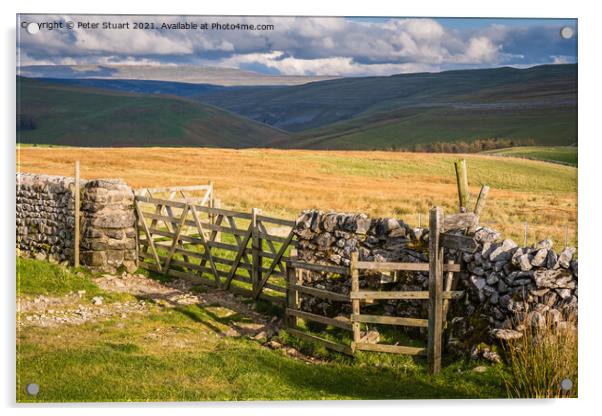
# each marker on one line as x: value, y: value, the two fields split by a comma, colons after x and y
x: 336, y: 46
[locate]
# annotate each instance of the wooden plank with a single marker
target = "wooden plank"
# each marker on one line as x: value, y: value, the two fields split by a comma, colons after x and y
x: 176, y: 239
x: 355, y: 303
x: 212, y: 236
x: 278, y: 221
x: 447, y: 286
x: 462, y: 181
x: 393, y: 349
x: 320, y: 267
x: 191, y: 223
x: 239, y: 256
x: 412, y: 295
x: 180, y: 204
x: 255, y: 249
x: 345, y: 349
x: 292, y: 294
x: 142, y: 220
x: 159, y: 201
x: 323, y: 294
x: 277, y: 259
x: 208, y: 194
x: 205, y: 243
x: 262, y: 230
x: 459, y: 221
x: 245, y: 258
x: 173, y: 188
x: 480, y: 205
x: 389, y: 320
x: 76, y: 208
x: 339, y: 323
x: 389, y: 266
x: 273, y: 238
x: 435, y: 324
x: 458, y: 242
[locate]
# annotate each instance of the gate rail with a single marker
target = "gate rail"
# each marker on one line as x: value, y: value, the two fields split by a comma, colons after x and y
x: 439, y: 294
x: 244, y: 252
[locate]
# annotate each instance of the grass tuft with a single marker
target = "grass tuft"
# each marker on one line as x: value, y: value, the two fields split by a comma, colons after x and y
x: 541, y: 359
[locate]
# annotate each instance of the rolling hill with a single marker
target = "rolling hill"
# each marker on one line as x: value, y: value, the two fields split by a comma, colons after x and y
x: 316, y: 104
x: 535, y: 105
x: 167, y: 73
x: 50, y: 113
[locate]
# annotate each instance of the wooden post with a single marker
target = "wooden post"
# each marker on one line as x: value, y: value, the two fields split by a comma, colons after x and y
x: 481, y: 200
x: 292, y: 293
x: 566, y: 235
x: 435, y: 321
x: 355, y: 303
x: 217, y: 203
x: 462, y: 180
x: 76, y: 217
x: 449, y: 279
x: 526, y: 233
x: 255, y: 250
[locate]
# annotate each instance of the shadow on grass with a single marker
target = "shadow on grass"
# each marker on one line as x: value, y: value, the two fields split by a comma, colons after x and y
x: 237, y: 371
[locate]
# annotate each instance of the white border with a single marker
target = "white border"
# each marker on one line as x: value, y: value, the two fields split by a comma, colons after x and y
x: 590, y: 149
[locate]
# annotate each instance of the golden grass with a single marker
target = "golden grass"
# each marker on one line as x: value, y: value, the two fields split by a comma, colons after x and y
x: 542, y: 359
x: 284, y: 182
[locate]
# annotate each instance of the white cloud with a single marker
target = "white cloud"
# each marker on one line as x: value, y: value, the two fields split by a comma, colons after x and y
x: 340, y: 66
x: 305, y: 45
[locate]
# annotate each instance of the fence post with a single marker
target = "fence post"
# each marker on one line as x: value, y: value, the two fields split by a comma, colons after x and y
x: 255, y: 250
x: 217, y: 203
x: 481, y: 200
x: 292, y: 293
x: 526, y: 233
x: 462, y: 180
x: 76, y: 217
x: 355, y: 303
x: 435, y: 319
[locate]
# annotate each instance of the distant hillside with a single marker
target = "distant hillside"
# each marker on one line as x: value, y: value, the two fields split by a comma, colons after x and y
x: 72, y: 115
x: 538, y: 103
x: 167, y: 73
x: 566, y: 155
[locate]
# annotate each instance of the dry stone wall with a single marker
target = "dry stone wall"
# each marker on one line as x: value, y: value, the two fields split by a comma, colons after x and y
x: 504, y: 284
x: 45, y: 221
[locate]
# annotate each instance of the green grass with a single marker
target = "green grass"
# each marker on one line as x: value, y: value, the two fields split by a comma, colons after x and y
x: 404, y: 128
x: 42, y: 278
x: 104, y: 362
x: 560, y: 154
x: 526, y: 175
x: 79, y: 116
x: 36, y: 277
x: 181, y: 354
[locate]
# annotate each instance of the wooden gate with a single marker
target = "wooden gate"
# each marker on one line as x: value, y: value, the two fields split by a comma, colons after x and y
x: 191, y: 238
x: 438, y: 296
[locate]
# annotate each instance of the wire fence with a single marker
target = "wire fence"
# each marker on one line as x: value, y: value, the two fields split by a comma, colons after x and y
x: 529, y: 232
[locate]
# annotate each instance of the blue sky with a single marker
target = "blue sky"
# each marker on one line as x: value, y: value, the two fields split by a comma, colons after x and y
x: 343, y: 46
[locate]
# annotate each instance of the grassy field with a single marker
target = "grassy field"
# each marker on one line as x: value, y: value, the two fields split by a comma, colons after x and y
x: 561, y: 154
x: 411, y: 126
x: 284, y: 182
x: 182, y: 354
x: 116, y: 118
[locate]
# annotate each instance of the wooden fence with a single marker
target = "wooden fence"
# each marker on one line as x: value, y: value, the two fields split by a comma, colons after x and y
x: 179, y: 237
x: 438, y: 296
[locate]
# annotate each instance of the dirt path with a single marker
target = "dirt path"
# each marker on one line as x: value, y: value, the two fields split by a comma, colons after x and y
x: 77, y: 308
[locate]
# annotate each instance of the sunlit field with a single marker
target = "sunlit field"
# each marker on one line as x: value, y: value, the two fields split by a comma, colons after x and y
x: 284, y: 182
